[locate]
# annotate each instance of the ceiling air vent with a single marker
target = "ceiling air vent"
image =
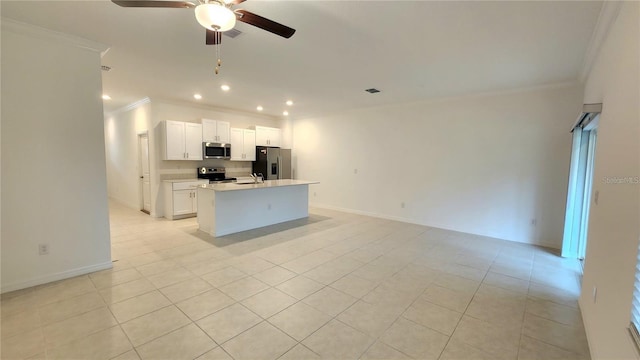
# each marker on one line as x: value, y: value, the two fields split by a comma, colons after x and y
x: 372, y: 91
x: 233, y: 33
x: 105, y: 68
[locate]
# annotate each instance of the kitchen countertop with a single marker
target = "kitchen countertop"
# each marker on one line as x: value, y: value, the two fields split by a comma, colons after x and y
x: 183, y: 180
x: 251, y: 186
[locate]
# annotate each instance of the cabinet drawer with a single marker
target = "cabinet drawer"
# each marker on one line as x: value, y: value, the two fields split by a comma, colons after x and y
x: 188, y: 185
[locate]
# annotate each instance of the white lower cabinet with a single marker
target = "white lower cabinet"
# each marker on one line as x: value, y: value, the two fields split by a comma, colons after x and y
x: 180, y: 199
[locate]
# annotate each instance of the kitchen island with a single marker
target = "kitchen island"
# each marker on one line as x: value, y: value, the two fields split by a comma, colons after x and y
x: 233, y: 207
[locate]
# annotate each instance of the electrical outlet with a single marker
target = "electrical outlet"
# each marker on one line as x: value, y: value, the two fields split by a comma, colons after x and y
x: 402, y: 205
x: 595, y: 197
x: 268, y: 206
x: 314, y: 193
x: 355, y: 171
x: 43, y: 249
x: 534, y: 222
x: 595, y: 294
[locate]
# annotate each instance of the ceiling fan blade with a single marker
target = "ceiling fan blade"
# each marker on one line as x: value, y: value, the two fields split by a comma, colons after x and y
x: 264, y: 23
x: 154, y: 3
x: 213, y: 37
x: 235, y: 2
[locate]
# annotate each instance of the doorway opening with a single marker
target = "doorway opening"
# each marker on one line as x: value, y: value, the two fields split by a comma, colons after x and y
x: 144, y: 175
x: 579, y: 193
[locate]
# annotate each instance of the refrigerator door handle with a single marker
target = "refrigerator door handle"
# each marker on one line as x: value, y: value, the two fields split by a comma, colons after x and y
x: 279, y: 168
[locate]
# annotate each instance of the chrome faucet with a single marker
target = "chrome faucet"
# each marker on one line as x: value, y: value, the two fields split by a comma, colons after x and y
x: 256, y: 178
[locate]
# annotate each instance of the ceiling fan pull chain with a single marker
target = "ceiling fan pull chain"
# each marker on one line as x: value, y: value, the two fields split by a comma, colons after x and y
x: 218, y: 35
x: 219, y: 49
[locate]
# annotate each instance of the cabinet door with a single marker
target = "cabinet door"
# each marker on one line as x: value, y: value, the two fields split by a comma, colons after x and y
x: 194, y: 199
x: 174, y: 140
x: 209, y: 130
x: 223, y: 131
x: 275, y: 136
x: 262, y: 136
x: 193, y: 141
x: 237, y: 144
x: 182, y: 202
x: 250, y: 145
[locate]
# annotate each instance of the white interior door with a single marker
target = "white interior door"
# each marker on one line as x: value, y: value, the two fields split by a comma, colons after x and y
x: 145, y: 182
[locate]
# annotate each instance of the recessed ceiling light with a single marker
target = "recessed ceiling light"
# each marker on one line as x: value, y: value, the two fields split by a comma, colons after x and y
x: 225, y: 87
x: 106, y: 97
x: 285, y: 113
x: 259, y: 108
x: 197, y: 96
x: 289, y: 102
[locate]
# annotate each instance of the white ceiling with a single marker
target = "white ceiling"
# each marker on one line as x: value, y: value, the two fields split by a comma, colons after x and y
x: 411, y: 50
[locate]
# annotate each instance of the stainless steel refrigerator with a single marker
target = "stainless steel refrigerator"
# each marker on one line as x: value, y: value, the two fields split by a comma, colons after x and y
x: 272, y: 163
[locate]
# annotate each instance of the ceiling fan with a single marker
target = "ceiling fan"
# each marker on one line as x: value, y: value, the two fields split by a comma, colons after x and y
x: 216, y: 16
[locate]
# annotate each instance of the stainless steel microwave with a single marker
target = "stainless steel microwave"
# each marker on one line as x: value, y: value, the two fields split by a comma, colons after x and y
x: 216, y: 150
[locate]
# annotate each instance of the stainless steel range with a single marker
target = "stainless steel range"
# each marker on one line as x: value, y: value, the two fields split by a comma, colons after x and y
x: 215, y: 175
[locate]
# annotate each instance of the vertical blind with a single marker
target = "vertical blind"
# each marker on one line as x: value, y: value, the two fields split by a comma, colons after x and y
x: 635, y: 305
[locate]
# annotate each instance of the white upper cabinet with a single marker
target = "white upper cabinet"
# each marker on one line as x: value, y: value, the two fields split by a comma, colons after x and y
x: 268, y: 136
x: 215, y: 131
x: 193, y: 141
x: 183, y: 141
x: 174, y: 140
x: 250, y: 145
x: 243, y: 144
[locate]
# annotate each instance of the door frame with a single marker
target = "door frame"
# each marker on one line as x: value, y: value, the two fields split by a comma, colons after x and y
x: 140, y: 135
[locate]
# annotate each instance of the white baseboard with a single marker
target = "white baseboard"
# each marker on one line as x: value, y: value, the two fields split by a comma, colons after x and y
x: 55, y: 277
x: 416, y: 222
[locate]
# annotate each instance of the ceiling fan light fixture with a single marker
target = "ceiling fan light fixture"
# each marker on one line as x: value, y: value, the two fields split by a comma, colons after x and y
x: 215, y: 16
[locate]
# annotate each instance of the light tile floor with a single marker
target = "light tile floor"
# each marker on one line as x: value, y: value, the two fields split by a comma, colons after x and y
x: 333, y: 286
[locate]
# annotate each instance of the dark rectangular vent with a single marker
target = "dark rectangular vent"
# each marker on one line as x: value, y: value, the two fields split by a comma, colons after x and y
x: 233, y: 33
x: 372, y: 91
x: 105, y: 68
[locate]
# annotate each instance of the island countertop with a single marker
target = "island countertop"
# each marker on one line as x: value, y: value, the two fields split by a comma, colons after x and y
x: 224, y: 209
x: 251, y: 186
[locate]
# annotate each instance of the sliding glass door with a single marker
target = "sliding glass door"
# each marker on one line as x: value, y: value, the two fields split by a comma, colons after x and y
x: 576, y: 226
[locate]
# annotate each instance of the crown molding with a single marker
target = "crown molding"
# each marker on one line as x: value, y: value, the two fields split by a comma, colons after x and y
x: 608, y: 15
x: 51, y: 35
x: 132, y: 106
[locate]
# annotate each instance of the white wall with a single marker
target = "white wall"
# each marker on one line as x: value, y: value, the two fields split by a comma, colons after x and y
x: 121, y: 139
x: 485, y: 165
x: 614, y: 224
x: 53, y: 161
